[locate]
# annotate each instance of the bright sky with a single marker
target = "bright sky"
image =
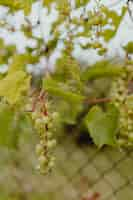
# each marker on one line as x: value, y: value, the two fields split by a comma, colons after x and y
x: 124, y: 34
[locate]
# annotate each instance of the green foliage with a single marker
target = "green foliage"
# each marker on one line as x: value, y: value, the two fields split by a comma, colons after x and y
x: 6, y: 51
x: 15, y: 5
x: 47, y: 2
x: 80, y: 3
x: 102, y: 126
x: 13, y: 125
x: 102, y: 69
x: 13, y: 86
x: 113, y: 19
x: 19, y: 62
x: 128, y: 48
x: 58, y: 89
x: 6, y: 120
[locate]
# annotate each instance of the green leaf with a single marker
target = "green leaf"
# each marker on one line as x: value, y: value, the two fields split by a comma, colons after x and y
x: 113, y: 19
x: 47, y: 2
x: 102, y: 126
x: 101, y: 69
x: 19, y: 62
x: 129, y: 47
x: 18, y: 4
x: 68, y: 112
x: 14, y: 85
x: 6, y: 118
x: 108, y: 34
x: 11, y: 4
x: 13, y: 126
x: 80, y: 3
x: 58, y: 89
x: 27, y: 6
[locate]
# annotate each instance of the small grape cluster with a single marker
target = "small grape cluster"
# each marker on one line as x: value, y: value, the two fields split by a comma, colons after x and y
x: 43, y: 123
x: 122, y: 96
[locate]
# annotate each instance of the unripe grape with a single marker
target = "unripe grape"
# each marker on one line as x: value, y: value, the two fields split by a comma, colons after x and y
x: 55, y: 115
x: 43, y: 122
x: 131, y: 137
x: 38, y: 167
x: 123, y: 101
x: 42, y: 160
x: 49, y: 135
x: 51, y: 164
x: 51, y: 144
x: 50, y: 125
x: 39, y: 149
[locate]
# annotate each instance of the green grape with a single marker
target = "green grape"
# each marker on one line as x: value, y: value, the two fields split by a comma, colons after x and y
x: 42, y: 121
x: 51, y: 144
x: 123, y: 100
x: 50, y: 135
x: 39, y: 149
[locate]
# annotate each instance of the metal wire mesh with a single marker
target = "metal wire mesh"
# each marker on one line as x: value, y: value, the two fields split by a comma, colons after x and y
x: 83, y: 171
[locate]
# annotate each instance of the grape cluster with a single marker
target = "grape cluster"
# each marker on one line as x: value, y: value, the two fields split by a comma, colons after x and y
x: 43, y: 123
x: 122, y: 97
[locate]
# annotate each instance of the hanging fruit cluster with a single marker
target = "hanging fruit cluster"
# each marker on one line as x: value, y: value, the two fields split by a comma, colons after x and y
x: 43, y: 123
x: 122, y: 96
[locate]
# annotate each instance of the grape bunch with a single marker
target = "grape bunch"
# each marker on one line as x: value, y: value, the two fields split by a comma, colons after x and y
x: 43, y: 123
x: 122, y: 96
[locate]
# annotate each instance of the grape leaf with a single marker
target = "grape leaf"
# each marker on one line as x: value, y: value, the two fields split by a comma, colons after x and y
x: 27, y: 6
x: 81, y: 3
x: 19, y: 62
x: 18, y: 4
x: 58, y: 89
x: 115, y: 19
x: 14, y: 85
x: 101, y: 69
x: 68, y: 112
x: 129, y: 47
x: 102, y: 126
x: 6, y: 116
x: 12, y: 124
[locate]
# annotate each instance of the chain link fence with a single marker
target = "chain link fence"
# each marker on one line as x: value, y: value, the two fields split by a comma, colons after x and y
x: 82, y: 172
x: 85, y: 173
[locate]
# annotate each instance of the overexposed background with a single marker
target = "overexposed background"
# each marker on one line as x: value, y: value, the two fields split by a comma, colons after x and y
x: 124, y: 34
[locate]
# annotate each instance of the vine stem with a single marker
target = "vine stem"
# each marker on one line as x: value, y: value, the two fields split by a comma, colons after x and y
x: 97, y: 100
